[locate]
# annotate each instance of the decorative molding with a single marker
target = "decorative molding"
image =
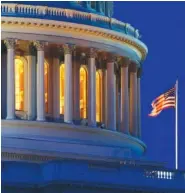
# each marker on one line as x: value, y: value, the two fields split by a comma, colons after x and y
x: 10, y: 43
x: 124, y: 62
x: 68, y: 48
x: 139, y: 72
x: 133, y: 66
x: 92, y: 53
x: 39, y: 45
x: 78, y: 29
x: 27, y: 157
x: 31, y: 49
x: 111, y: 58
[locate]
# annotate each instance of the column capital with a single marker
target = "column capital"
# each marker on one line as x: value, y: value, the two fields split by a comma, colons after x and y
x: 40, y: 45
x: 133, y: 66
x: 68, y: 48
x: 92, y: 53
x: 111, y: 58
x: 31, y: 49
x: 139, y: 72
x: 125, y: 61
x: 10, y: 43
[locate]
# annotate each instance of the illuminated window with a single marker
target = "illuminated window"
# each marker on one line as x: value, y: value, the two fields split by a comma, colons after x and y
x: 98, y: 97
x: 46, y: 80
x: 62, y: 68
x: 19, y: 84
x: 83, y: 93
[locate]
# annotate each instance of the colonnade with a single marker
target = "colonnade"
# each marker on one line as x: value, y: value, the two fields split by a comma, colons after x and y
x: 129, y: 91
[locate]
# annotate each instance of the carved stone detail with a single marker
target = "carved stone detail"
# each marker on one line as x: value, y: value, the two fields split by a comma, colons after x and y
x: 31, y: 49
x: 111, y: 58
x: 92, y: 53
x: 125, y: 62
x: 133, y: 66
x: 10, y: 43
x: 68, y: 48
x: 39, y: 45
x: 139, y: 72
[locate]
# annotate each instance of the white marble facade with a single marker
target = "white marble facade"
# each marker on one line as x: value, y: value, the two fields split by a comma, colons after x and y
x: 119, y: 76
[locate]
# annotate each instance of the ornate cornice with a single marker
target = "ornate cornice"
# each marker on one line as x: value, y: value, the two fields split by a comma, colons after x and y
x: 77, y: 29
x: 10, y: 43
x: 60, y: 13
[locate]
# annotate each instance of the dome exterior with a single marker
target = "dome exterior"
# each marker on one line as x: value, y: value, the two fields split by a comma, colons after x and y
x: 97, y: 7
x: 93, y: 13
x: 70, y: 101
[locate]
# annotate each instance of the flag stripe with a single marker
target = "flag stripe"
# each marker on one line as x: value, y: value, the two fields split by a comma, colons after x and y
x: 162, y: 102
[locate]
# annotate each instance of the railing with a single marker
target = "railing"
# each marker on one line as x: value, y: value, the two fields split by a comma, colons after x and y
x: 92, y: 173
x: 158, y: 174
x: 60, y: 14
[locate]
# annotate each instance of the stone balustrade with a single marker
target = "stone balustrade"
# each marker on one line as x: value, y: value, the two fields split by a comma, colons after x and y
x: 62, y: 14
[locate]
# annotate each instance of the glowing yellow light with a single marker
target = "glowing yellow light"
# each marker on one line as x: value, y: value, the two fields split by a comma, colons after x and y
x: 62, y: 78
x: 46, y: 81
x: 98, y: 97
x: 19, y: 84
x: 83, y: 93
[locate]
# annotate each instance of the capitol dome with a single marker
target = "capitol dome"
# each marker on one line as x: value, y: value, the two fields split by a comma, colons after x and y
x: 71, y: 93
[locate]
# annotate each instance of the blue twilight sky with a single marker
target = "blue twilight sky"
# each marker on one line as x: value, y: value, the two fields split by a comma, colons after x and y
x: 162, y: 25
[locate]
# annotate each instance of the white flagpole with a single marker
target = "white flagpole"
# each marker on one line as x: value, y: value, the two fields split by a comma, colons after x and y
x: 176, y: 125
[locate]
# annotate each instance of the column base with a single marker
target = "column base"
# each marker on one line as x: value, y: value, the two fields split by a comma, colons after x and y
x: 41, y: 119
x: 68, y: 122
x: 10, y: 118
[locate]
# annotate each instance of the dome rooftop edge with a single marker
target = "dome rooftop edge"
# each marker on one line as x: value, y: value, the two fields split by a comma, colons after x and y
x: 74, y: 12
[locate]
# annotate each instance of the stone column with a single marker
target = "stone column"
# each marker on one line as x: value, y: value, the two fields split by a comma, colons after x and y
x: 111, y: 95
x: 56, y: 85
x: 104, y: 95
x: 10, y: 44
x: 118, y: 99
x: 92, y: 88
x: 139, y: 101
x: 133, y: 100
x: 76, y: 86
x: 40, y: 81
x: 68, y: 98
x: 124, y: 97
x: 31, y: 83
x: 3, y: 80
x: 50, y: 87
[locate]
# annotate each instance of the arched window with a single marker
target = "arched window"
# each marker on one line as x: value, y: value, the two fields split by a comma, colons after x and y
x: 19, y: 85
x: 46, y: 85
x: 83, y: 93
x: 98, y: 96
x: 62, y: 68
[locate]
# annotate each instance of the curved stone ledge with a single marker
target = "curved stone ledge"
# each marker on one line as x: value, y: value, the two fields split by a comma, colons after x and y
x: 65, y: 29
x: 65, y: 140
x: 60, y: 14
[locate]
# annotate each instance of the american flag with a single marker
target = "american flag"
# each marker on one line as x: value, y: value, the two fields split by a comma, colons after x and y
x: 163, y: 101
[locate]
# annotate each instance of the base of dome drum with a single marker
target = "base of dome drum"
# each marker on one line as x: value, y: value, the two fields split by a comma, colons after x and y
x: 60, y: 140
